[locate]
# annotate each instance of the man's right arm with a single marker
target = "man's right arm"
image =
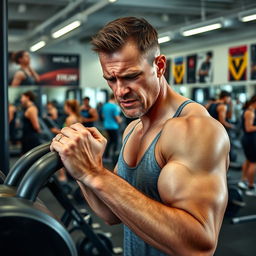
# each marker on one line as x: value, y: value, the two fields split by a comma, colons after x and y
x: 98, y: 206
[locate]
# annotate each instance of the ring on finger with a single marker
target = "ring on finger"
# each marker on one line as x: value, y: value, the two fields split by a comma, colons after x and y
x: 59, y: 138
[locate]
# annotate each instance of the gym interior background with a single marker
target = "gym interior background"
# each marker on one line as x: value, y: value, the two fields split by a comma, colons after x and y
x: 190, y: 31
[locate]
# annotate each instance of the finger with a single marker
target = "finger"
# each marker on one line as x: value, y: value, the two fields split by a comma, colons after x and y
x: 77, y: 127
x: 55, y: 139
x: 69, y: 132
x: 64, y: 140
x: 81, y: 130
x: 95, y: 133
x: 56, y: 146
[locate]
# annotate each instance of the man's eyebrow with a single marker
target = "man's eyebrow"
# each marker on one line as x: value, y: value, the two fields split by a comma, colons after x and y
x: 108, y: 77
x: 131, y: 74
x: 125, y: 75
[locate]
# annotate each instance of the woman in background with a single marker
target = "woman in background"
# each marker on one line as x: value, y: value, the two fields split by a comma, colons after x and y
x: 31, y: 127
x: 26, y: 75
x: 249, y: 147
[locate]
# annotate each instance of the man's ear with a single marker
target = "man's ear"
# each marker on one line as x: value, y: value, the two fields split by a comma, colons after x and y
x: 160, y: 62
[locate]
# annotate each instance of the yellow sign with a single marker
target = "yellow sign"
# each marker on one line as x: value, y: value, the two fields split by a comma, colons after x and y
x: 178, y: 73
x: 237, y: 65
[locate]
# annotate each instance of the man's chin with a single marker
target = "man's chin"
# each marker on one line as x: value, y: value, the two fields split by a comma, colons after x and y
x: 133, y: 115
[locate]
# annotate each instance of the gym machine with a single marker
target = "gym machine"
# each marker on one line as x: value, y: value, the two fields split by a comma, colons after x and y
x: 28, y: 227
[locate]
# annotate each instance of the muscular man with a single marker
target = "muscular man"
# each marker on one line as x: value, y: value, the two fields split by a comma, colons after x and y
x: 169, y: 186
x: 89, y: 114
x: 219, y: 109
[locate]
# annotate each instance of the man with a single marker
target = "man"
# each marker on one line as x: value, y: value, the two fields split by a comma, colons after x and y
x: 204, y: 71
x: 219, y: 109
x: 111, y: 121
x: 169, y: 185
x: 89, y: 114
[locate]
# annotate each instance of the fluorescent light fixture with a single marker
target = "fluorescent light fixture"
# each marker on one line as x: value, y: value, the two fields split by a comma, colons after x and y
x: 164, y: 39
x: 248, y: 18
x: 202, y: 29
x: 112, y: 1
x: 247, y: 15
x: 64, y: 30
x: 37, y: 46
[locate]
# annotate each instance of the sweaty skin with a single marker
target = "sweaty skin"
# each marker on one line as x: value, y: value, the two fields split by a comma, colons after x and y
x: 192, y: 152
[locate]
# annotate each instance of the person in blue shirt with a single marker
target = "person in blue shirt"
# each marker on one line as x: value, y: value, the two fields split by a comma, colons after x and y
x: 111, y: 121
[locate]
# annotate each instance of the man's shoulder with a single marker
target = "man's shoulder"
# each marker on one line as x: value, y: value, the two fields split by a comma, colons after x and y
x: 193, y: 137
x: 193, y: 124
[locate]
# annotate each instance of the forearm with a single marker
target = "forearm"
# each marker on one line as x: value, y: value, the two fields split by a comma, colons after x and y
x: 251, y: 129
x: 171, y: 230
x: 98, y: 206
x: 90, y: 119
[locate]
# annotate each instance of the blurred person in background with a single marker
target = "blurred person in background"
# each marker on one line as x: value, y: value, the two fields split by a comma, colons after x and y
x: 89, y: 115
x: 31, y: 127
x: 249, y: 147
x: 111, y: 121
x: 26, y: 75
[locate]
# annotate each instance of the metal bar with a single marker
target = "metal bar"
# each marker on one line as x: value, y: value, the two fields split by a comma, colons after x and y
x: 4, y: 127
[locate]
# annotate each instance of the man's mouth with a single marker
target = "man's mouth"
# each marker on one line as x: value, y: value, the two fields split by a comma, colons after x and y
x: 127, y: 103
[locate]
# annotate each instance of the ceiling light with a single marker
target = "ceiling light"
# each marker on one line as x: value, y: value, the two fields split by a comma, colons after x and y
x: 248, y: 18
x: 164, y: 39
x: 37, y: 46
x: 64, y: 30
x: 202, y: 29
x: 247, y: 15
x: 112, y: 1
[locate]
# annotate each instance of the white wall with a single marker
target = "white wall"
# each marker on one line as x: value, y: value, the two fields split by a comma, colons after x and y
x: 220, y: 58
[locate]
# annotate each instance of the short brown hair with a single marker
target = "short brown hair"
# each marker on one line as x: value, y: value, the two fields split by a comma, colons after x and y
x: 115, y: 34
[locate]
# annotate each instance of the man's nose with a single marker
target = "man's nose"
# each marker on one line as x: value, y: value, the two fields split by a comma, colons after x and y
x: 121, y: 90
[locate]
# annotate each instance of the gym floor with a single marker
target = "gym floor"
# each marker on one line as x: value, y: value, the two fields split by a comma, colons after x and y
x: 235, y: 240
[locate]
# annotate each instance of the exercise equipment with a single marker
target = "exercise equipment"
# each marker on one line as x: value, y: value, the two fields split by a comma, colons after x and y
x: 235, y: 201
x: 31, y: 221
x: 24, y: 163
x: 27, y: 227
x: 91, y: 242
x: 86, y: 248
x: 243, y: 219
x: 9, y: 184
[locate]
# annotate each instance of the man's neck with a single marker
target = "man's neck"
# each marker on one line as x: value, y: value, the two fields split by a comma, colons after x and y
x: 163, y: 109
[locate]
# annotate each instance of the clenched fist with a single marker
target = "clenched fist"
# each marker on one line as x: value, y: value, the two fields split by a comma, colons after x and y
x: 81, y: 150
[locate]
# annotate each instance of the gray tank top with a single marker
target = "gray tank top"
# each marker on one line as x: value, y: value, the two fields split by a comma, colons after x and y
x: 144, y: 177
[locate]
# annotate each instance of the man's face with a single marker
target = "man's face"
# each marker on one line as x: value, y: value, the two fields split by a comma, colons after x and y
x: 86, y: 102
x: 132, y: 79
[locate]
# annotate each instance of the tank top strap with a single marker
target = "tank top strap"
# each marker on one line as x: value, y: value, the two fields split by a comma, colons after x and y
x: 130, y: 132
x: 180, y: 108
